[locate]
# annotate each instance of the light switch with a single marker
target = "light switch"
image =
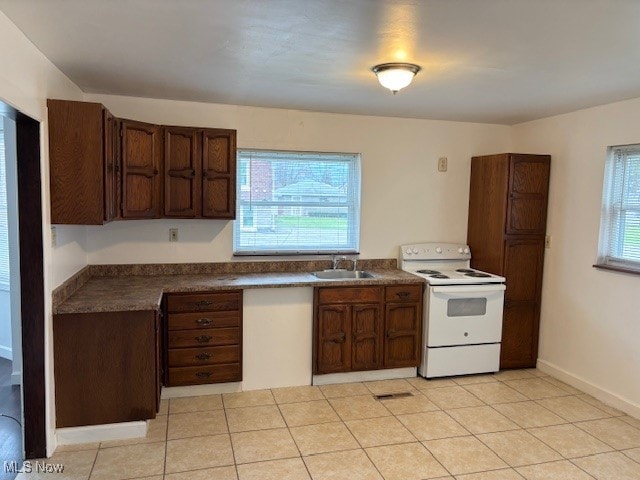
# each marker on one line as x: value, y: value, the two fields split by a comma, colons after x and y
x: 442, y: 164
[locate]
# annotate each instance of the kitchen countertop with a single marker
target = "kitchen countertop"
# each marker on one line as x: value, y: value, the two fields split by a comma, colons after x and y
x: 144, y: 292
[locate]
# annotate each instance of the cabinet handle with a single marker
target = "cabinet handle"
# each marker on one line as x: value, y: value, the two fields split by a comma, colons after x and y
x: 203, y: 338
x: 203, y: 356
x: 391, y: 333
x: 340, y: 339
x: 203, y: 303
x: 203, y: 374
x: 403, y: 294
x: 204, y: 321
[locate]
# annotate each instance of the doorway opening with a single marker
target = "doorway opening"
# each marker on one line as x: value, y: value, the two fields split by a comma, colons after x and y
x: 22, y: 275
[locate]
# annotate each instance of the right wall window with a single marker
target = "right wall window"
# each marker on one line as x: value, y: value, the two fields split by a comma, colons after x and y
x: 619, y: 245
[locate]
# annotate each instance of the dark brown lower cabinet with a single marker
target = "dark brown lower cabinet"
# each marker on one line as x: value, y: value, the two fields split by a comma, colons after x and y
x: 106, y: 367
x: 204, y: 338
x: 366, y: 328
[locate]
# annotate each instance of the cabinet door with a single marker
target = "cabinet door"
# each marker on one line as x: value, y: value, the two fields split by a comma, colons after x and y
x: 76, y: 161
x: 524, y: 260
x: 219, y: 173
x: 182, y: 172
x: 333, y: 348
x: 402, y: 334
x: 366, y: 329
x: 523, y: 264
x: 141, y: 161
x: 519, y: 347
x: 528, y: 191
x: 110, y: 166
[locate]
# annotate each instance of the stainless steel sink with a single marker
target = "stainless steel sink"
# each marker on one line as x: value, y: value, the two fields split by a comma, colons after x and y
x: 339, y: 274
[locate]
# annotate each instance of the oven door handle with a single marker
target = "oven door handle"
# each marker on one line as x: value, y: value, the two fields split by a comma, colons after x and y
x: 469, y: 288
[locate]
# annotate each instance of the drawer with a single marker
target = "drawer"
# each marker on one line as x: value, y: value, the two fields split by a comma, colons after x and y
x: 184, y: 357
x: 186, y: 321
x: 403, y: 293
x: 349, y: 295
x: 204, y: 337
x: 205, y: 302
x: 205, y: 374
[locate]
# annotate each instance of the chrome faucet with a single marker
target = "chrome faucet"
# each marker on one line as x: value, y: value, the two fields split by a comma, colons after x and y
x: 354, y: 262
x: 334, y: 261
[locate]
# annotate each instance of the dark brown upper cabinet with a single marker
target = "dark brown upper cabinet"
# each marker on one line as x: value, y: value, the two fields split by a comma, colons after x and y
x: 182, y: 172
x: 219, y: 173
x: 104, y: 168
x: 83, y: 159
x: 141, y: 163
x: 199, y: 178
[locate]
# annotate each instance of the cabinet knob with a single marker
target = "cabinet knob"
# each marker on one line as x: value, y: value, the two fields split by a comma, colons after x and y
x: 203, y: 374
x: 204, y: 321
x: 340, y: 339
x: 203, y: 303
x: 403, y: 294
x: 203, y: 356
x: 203, y: 338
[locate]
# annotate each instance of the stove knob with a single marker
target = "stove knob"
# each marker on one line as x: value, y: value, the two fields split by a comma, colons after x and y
x: 415, y: 250
x: 408, y: 251
x: 438, y: 250
x: 466, y: 249
x: 461, y: 250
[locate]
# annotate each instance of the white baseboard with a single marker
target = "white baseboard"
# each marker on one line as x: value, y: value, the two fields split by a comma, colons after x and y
x: 16, y: 378
x: 197, y: 390
x: 6, y: 352
x: 100, y: 433
x: 369, y: 375
x: 605, y: 396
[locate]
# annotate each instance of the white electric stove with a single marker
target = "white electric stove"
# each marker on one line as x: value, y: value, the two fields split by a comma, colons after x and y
x: 462, y: 320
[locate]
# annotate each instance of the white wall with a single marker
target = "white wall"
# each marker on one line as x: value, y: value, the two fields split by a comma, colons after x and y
x: 404, y: 198
x: 5, y: 325
x: 590, y: 325
x: 27, y: 79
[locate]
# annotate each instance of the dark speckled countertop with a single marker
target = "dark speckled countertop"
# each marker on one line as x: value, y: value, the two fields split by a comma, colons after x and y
x: 97, y: 291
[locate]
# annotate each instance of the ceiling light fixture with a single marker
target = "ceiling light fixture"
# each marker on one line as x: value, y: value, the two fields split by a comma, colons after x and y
x: 395, y: 76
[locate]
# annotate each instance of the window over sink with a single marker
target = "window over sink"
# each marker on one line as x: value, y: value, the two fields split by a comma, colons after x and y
x: 297, y: 203
x: 619, y: 246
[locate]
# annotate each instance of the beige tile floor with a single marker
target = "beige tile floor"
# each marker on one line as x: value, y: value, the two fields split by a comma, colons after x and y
x: 513, y: 425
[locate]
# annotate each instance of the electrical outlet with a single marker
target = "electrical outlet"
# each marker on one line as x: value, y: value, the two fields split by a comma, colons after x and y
x: 442, y: 164
x: 54, y: 237
x: 173, y: 234
x: 547, y: 241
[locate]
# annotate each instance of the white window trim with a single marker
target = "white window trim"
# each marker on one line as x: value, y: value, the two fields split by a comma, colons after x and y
x: 613, y: 203
x: 354, y: 205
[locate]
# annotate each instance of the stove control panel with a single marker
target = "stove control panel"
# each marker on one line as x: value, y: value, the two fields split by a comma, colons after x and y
x: 434, y: 251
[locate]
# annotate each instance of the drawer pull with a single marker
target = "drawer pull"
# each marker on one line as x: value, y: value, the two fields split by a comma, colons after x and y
x: 203, y: 356
x: 403, y: 294
x: 203, y: 303
x: 204, y: 321
x: 391, y: 333
x: 203, y: 374
x: 203, y: 338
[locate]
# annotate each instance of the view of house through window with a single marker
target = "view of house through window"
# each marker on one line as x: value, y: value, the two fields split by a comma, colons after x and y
x: 620, y: 222
x: 297, y: 202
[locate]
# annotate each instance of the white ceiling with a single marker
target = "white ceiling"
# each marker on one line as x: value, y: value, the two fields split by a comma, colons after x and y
x: 494, y: 61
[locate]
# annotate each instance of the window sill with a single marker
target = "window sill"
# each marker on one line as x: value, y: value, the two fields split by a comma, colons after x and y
x: 617, y: 269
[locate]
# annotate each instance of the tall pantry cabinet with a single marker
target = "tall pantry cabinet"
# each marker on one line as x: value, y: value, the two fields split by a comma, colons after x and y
x: 506, y: 233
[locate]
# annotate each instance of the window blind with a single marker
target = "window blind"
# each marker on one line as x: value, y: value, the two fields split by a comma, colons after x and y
x: 4, y: 230
x: 297, y: 203
x: 620, y: 219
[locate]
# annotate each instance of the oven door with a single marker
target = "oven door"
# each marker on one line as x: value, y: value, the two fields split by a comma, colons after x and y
x: 463, y: 314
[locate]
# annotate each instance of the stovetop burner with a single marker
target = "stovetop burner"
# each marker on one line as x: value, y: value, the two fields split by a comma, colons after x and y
x: 477, y: 274
x: 464, y: 270
x: 438, y: 275
x: 429, y: 272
